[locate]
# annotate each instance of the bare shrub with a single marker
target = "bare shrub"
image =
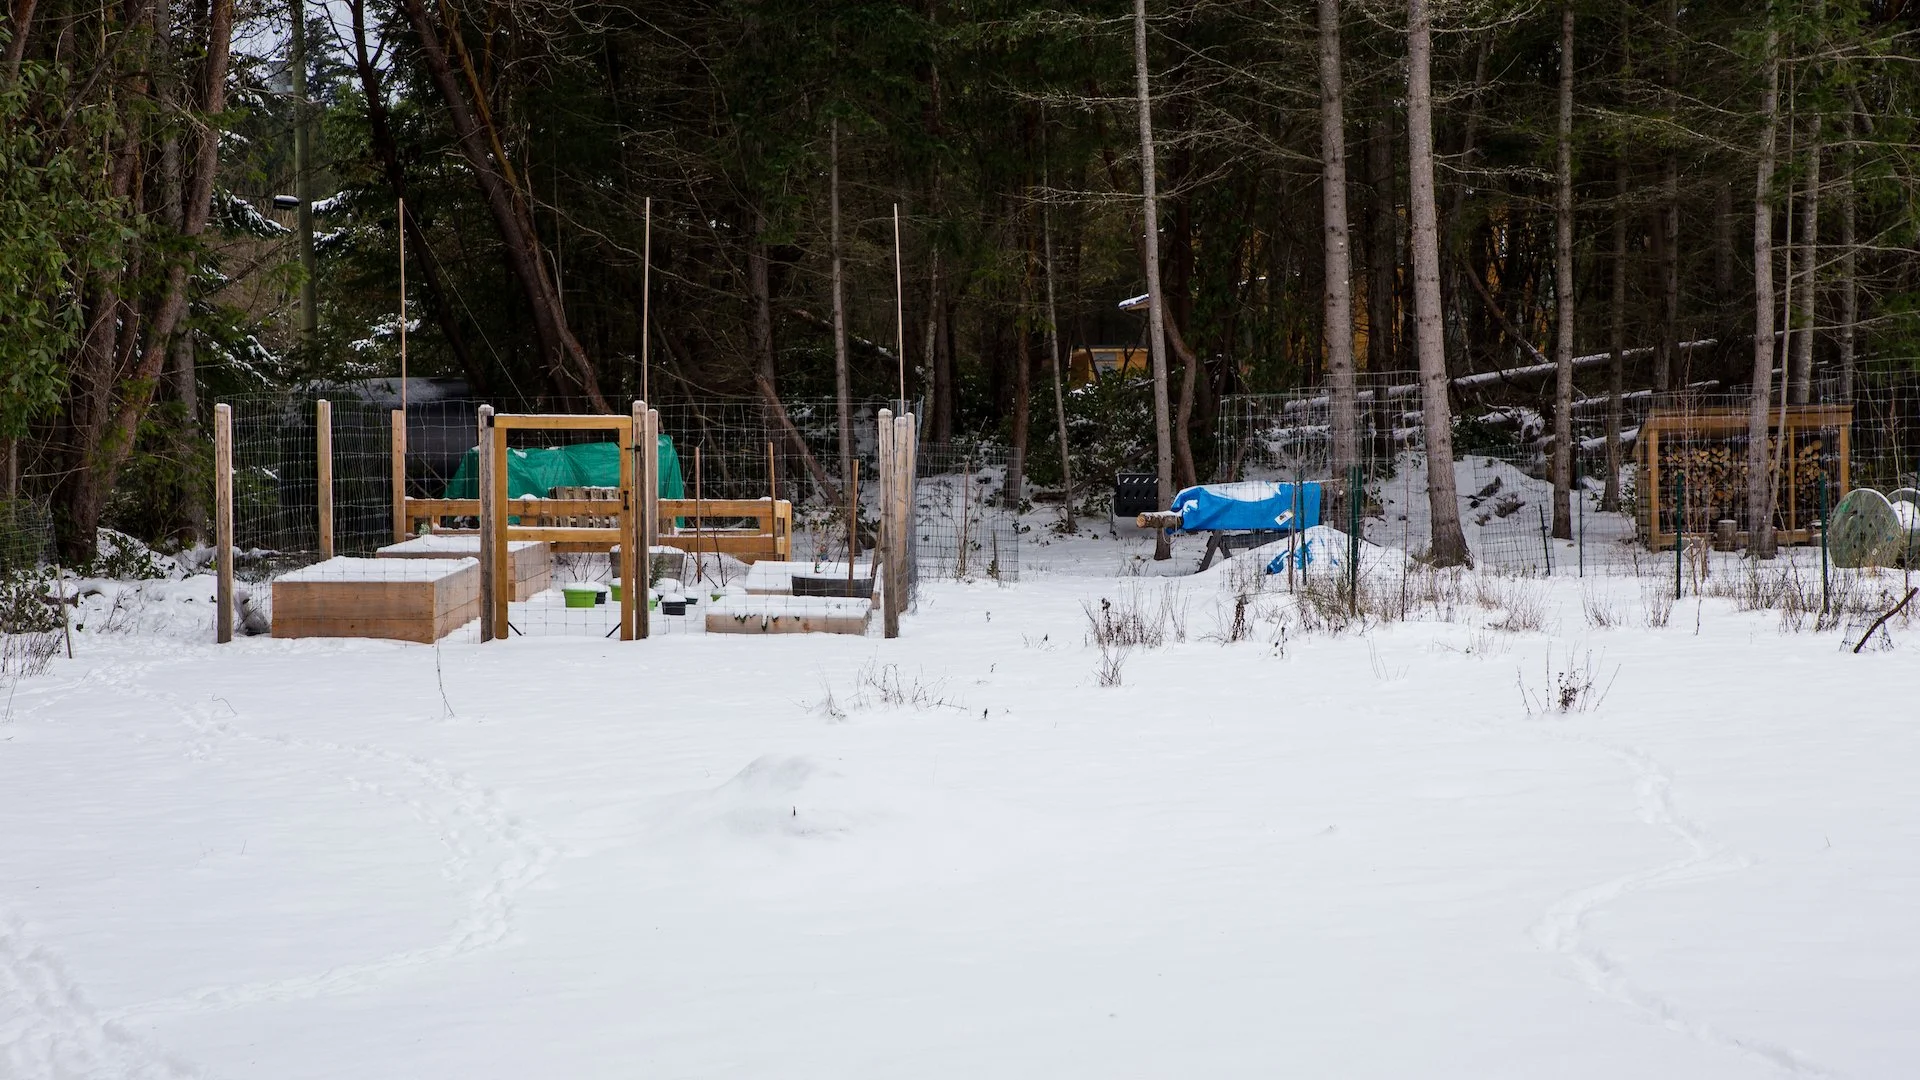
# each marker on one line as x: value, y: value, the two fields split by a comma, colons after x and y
x: 1656, y: 603
x: 1113, y: 657
x: 1136, y: 619
x: 1521, y: 601
x: 22, y: 656
x: 1571, y: 687
x: 881, y: 685
x: 1600, y: 609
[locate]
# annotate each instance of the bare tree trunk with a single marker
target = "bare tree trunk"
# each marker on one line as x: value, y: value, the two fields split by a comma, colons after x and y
x: 1760, y: 544
x: 1849, y: 292
x: 1563, y: 293
x: 939, y: 358
x: 303, y: 174
x: 1068, y: 516
x: 386, y: 151
x: 1337, y: 296
x: 22, y: 27
x: 765, y: 366
x: 1616, y: 339
x: 1156, y: 303
x: 1383, y: 262
x: 842, y: 384
x: 1449, y: 544
x: 1800, y: 366
x: 1666, y: 344
x: 567, y: 364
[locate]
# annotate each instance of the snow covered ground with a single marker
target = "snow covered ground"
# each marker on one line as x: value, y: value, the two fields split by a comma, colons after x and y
x: 1363, y: 854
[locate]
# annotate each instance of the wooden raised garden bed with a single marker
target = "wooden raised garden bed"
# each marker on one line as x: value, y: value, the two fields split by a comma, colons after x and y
x: 401, y: 599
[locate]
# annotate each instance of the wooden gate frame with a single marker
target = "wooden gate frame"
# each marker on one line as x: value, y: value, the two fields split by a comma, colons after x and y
x: 626, y: 533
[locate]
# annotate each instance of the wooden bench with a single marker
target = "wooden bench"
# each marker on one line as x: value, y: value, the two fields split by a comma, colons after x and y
x: 400, y: 599
x: 529, y: 562
x: 683, y: 522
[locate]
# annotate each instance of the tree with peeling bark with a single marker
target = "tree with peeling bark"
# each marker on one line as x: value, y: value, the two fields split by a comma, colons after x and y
x: 1336, y: 307
x: 1156, y: 303
x: 1760, y: 544
x: 1447, y: 543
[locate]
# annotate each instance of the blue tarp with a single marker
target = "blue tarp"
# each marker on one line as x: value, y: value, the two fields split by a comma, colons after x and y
x: 1248, y: 505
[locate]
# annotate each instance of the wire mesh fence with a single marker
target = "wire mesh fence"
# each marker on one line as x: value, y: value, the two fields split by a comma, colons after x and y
x: 404, y: 497
x: 1683, y: 467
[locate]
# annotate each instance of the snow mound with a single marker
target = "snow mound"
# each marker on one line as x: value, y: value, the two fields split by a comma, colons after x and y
x: 782, y: 796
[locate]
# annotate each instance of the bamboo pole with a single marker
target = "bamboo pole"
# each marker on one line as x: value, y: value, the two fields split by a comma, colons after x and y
x: 323, y: 434
x: 399, y: 444
x: 490, y: 583
x: 223, y: 520
x: 646, y: 305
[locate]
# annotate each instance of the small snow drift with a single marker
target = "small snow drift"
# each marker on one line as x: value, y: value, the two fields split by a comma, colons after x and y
x: 780, y: 795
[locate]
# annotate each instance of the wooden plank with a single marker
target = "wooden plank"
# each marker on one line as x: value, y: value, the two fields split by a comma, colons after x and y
x: 398, y: 476
x: 533, y: 422
x: 562, y: 534
x: 597, y: 507
x: 223, y: 520
x: 323, y: 438
x: 761, y: 509
x: 437, y: 508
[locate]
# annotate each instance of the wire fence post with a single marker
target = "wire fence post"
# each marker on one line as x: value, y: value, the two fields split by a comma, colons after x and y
x: 483, y: 486
x: 1354, y: 495
x: 1824, y: 606
x: 1546, y: 539
x: 223, y: 521
x: 323, y: 446
x: 1679, y: 528
x: 888, y: 542
x: 1580, y: 530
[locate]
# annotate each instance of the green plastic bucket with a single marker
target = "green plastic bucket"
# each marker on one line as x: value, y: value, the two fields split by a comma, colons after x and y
x: 613, y: 593
x: 581, y: 596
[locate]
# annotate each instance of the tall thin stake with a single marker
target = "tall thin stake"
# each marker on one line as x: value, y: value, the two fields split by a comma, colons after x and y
x: 899, y: 310
x: 646, y: 298
x: 403, y: 306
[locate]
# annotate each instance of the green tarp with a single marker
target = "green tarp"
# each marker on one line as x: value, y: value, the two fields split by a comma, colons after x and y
x: 539, y: 470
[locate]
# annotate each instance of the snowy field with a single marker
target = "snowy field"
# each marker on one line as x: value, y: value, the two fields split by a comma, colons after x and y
x: 1383, y: 853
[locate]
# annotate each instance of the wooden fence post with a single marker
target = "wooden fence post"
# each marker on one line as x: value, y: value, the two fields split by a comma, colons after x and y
x: 223, y: 520
x: 883, y: 542
x: 632, y: 477
x: 650, y: 513
x: 897, y: 551
x: 323, y: 438
x: 495, y: 450
x: 399, y: 476
x: 483, y: 484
